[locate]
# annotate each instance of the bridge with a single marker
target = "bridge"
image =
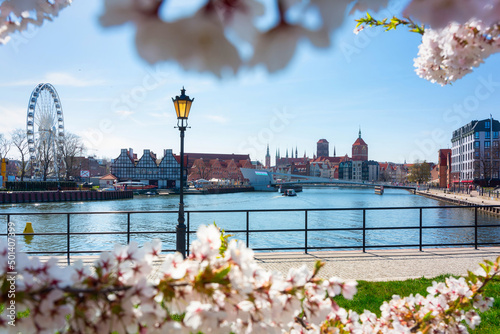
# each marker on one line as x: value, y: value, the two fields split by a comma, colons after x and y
x: 264, y: 180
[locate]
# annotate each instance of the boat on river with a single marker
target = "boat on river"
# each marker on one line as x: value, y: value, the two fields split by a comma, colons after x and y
x: 289, y: 192
x: 137, y: 187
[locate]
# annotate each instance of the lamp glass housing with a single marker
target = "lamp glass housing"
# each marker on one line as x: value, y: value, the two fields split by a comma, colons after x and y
x: 182, y: 105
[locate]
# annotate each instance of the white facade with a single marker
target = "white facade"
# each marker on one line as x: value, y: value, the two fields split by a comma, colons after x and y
x: 474, y: 152
x: 357, y: 171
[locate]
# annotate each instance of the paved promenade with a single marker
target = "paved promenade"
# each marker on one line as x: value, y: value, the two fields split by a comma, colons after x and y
x: 374, y: 265
x: 473, y: 197
x: 384, y: 265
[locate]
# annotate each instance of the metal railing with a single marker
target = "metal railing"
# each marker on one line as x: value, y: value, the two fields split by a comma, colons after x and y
x: 306, y: 247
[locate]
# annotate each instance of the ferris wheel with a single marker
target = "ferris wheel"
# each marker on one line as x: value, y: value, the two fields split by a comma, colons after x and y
x: 45, y: 131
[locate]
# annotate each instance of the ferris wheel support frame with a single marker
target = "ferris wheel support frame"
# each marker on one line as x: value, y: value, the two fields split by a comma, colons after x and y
x: 44, y: 112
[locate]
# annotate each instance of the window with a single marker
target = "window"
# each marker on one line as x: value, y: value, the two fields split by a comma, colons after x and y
x: 487, y: 124
x: 477, y: 144
x: 487, y: 144
x: 476, y: 135
x: 487, y: 135
x: 495, y: 134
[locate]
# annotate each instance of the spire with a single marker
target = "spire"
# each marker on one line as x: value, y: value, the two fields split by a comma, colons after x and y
x: 287, y: 153
x: 360, y: 131
x: 296, y: 152
x: 267, y: 155
x: 334, y: 152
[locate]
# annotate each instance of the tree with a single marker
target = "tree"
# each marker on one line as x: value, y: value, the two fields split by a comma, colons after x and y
x: 5, y: 146
x: 20, y: 141
x: 200, y: 170
x: 487, y: 165
x: 420, y: 172
x: 73, y: 146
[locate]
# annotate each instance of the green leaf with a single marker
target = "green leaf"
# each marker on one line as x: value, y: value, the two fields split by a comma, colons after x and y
x: 427, y: 317
x: 486, y: 268
x: 221, y: 275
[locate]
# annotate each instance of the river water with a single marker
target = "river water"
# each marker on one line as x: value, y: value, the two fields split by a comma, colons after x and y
x: 310, y: 198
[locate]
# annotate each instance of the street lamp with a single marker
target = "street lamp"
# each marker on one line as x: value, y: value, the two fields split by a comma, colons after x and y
x: 182, y: 106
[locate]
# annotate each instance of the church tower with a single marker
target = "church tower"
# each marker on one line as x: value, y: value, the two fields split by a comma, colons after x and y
x: 359, y: 149
x: 322, y: 149
x: 268, y: 158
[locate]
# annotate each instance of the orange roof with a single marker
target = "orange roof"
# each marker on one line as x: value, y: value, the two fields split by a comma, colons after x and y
x: 359, y: 141
x: 109, y: 177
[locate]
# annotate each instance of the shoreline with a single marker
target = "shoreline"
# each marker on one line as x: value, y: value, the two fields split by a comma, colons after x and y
x: 18, y: 197
x: 471, y: 199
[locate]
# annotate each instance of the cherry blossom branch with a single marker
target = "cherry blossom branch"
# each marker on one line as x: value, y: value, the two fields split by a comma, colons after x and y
x: 391, y: 24
x: 216, y: 291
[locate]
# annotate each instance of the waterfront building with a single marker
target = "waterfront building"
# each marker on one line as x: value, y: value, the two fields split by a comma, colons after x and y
x: 321, y: 168
x: 148, y: 169
x: 107, y: 181
x: 359, y: 168
x: 345, y: 170
x: 475, y: 152
x: 192, y: 157
x: 327, y: 166
x: 443, y: 173
x: 93, y: 166
x: 359, y: 171
x: 228, y: 170
x: 370, y: 171
x: 322, y: 148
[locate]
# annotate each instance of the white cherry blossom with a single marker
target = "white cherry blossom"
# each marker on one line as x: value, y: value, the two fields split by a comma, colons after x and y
x: 439, y: 13
x: 221, y: 294
x: 448, y: 54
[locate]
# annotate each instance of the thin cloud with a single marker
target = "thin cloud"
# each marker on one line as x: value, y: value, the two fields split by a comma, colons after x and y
x: 124, y: 112
x: 57, y: 79
x: 217, y: 119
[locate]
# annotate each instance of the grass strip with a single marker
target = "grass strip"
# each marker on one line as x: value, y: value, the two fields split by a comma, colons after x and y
x: 371, y: 296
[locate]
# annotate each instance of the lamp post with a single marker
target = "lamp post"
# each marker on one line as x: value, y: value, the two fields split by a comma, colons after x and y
x: 182, y: 106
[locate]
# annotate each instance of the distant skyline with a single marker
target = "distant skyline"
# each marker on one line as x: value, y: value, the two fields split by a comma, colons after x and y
x: 114, y: 100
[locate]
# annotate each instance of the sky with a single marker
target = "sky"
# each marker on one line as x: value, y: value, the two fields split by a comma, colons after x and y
x: 113, y: 99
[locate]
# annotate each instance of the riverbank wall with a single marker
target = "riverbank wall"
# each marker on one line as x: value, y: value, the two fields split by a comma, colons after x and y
x: 464, y: 200
x: 62, y: 196
x: 211, y: 190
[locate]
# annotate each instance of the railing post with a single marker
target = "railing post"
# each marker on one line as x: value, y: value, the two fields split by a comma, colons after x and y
x: 128, y: 228
x: 187, y: 234
x: 67, y: 236
x: 305, y: 231
x: 420, y: 231
x: 475, y: 227
x: 247, y: 229
x: 364, y: 230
